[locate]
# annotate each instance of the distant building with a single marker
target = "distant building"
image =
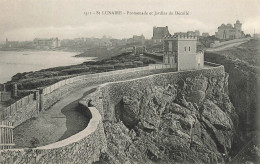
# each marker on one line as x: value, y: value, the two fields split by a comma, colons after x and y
x: 180, y: 33
x: 117, y: 42
x: 136, y: 39
x: 105, y: 43
x: 139, y: 39
x: 256, y: 36
x: 229, y: 32
x: 4, y: 95
x: 11, y: 44
x: 189, y: 33
x: 18, y: 44
x: 205, y: 34
x: 159, y: 33
x: 180, y: 51
x: 137, y: 50
x: 47, y: 43
x: 193, y: 33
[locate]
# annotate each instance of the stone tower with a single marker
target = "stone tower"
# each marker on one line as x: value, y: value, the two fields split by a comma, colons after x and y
x: 180, y: 51
x: 159, y: 33
x: 238, y: 29
x: 238, y: 26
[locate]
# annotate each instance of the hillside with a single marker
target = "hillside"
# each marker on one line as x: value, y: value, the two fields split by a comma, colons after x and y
x: 102, y: 52
x: 242, y: 65
x: 28, y: 81
x: 248, y: 52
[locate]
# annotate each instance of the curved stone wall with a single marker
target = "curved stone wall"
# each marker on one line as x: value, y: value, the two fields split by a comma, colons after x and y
x: 27, y: 107
x: 87, y: 145
x: 110, y: 99
x: 83, y: 147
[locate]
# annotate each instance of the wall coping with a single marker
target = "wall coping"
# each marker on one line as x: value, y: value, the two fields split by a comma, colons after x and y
x: 91, y: 127
x: 114, y: 82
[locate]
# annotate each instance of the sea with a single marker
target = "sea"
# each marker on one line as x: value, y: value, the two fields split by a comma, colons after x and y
x: 13, y: 62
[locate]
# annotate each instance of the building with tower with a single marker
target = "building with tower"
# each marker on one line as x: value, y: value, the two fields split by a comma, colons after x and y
x: 205, y: 34
x: 137, y: 50
x: 229, y: 32
x: 189, y: 33
x: 11, y: 44
x: 180, y: 51
x: 46, y: 43
x: 159, y: 33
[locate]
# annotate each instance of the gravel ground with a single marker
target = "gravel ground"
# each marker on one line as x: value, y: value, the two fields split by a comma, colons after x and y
x: 59, y: 122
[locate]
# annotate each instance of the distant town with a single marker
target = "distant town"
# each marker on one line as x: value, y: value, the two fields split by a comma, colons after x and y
x: 177, y: 97
x: 223, y: 33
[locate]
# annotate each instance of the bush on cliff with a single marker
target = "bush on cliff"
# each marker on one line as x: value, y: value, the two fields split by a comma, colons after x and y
x: 75, y: 70
x: 37, y: 83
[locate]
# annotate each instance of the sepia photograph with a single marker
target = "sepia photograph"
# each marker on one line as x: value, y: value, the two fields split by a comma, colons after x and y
x: 129, y: 82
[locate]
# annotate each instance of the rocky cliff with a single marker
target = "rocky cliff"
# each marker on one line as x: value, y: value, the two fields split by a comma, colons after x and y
x: 184, y: 118
x: 242, y: 65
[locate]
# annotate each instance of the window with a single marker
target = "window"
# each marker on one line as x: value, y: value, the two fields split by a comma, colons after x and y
x: 170, y: 46
x: 189, y: 48
x: 184, y: 48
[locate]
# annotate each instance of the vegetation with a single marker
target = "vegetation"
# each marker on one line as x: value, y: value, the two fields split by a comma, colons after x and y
x: 250, y: 48
x: 32, y: 80
x: 206, y: 41
x: 102, y: 52
x: 34, y: 142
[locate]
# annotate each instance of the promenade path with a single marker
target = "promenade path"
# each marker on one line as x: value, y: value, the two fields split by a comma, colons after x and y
x: 226, y: 46
x: 60, y: 121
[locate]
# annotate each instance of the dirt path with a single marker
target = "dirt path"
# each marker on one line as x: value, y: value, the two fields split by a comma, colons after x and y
x: 226, y: 46
x: 151, y: 58
x: 61, y: 121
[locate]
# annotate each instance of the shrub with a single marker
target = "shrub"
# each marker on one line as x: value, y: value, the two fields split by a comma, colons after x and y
x: 138, y: 63
x: 119, y: 66
x: 76, y: 70
x: 105, y: 67
x: 36, y: 83
x: 34, y: 142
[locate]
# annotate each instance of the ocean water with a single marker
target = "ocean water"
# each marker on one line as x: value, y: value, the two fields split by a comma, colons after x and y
x: 13, y: 62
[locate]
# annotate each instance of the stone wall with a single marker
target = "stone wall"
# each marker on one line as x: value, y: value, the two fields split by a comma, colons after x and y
x: 91, y: 144
x: 113, y: 92
x: 200, y: 122
x: 55, y: 95
x: 5, y: 96
x: 29, y: 106
x: 22, y: 110
x: 83, y: 147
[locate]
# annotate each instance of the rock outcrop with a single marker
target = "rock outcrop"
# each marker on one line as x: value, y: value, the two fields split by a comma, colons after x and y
x: 189, y: 120
x: 242, y: 65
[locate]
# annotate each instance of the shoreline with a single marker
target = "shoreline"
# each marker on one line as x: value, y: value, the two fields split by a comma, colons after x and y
x: 23, y: 50
x: 74, y: 55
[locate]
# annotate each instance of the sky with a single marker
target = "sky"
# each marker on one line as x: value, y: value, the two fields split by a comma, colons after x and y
x: 28, y: 19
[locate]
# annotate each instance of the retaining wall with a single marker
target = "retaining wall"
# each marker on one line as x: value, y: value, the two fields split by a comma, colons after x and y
x: 110, y: 94
x: 5, y: 96
x: 51, y: 94
x: 23, y: 109
x: 87, y: 145
x: 30, y: 106
x: 83, y: 147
